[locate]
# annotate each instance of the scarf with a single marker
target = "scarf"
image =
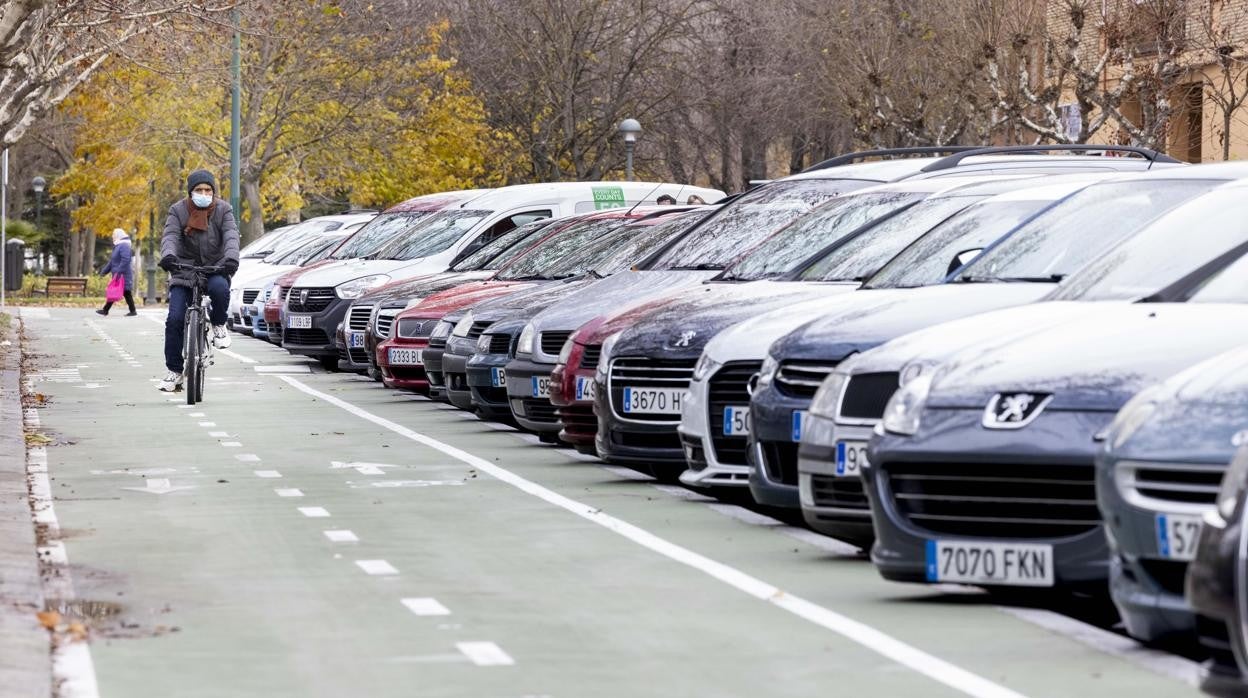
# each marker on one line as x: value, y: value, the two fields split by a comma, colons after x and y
x: 197, y: 218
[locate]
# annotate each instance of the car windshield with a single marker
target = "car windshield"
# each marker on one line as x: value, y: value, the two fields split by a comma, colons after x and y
x: 745, y: 221
x: 298, y: 254
x: 432, y: 235
x: 565, y: 253
x: 321, y: 253
x: 863, y: 254
x: 1227, y: 286
x: 519, y: 238
x: 1078, y: 230
x: 643, y: 239
x: 378, y: 232
x: 814, y: 231
x: 928, y: 260
x: 1164, y: 251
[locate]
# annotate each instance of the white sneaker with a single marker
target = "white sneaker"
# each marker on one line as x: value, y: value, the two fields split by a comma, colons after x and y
x: 171, y: 384
x: 221, y: 337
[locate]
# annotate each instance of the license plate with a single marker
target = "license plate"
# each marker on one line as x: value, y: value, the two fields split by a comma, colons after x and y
x: 586, y: 389
x: 299, y: 322
x: 652, y: 400
x: 1177, y: 535
x: 850, y: 457
x: 540, y: 386
x: 737, y: 421
x: 798, y: 418
x: 405, y: 357
x: 355, y: 340
x: 990, y: 563
x: 498, y: 377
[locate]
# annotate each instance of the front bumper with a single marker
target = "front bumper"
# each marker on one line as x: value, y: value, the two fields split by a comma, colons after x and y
x: 434, y: 377
x: 488, y: 395
x: 959, y: 481
x: 403, y: 376
x: 773, y: 447
x: 252, y: 316
x: 713, y: 457
x: 536, y: 414
x: 455, y: 371
x: 656, y: 445
x: 318, y: 340
x: 832, y: 504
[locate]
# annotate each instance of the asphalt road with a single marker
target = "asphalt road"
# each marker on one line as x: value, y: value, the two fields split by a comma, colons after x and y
x: 309, y: 534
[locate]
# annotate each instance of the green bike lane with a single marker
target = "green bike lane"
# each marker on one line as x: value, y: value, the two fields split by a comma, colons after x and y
x: 264, y: 602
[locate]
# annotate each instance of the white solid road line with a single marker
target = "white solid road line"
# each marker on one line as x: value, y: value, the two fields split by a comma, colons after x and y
x: 426, y: 607
x: 929, y: 665
x: 485, y: 653
x: 376, y: 567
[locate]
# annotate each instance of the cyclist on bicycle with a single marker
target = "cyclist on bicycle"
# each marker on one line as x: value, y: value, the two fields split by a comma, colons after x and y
x: 199, y: 232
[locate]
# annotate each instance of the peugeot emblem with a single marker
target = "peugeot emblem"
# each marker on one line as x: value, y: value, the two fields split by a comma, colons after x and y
x: 1014, y: 410
x: 303, y: 297
x: 684, y: 338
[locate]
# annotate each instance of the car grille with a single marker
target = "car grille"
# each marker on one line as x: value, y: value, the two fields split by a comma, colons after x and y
x: 492, y: 396
x: 478, y: 328
x: 802, y: 378
x: 538, y: 410
x: 249, y: 295
x: 591, y: 356
x: 552, y: 342
x: 318, y: 299
x: 260, y: 325
x: 312, y: 336
x: 357, y: 356
x: 780, y: 460
x: 1185, y: 483
x: 437, y: 342
x: 357, y: 319
x: 838, y: 492
x: 579, y: 420
x: 648, y: 373
x: 727, y: 388
x: 281, y: 292
x: 412, y: 328
x: 500, y: 343
x: 385, y: 322
x: 866, y: 394
x: 996, y: 500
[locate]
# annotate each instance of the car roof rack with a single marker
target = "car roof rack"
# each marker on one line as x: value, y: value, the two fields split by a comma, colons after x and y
x: 861, y: 155
x: 956, y: 159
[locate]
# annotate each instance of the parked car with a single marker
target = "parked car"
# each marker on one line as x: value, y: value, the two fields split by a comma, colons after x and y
x: 246, y: 297
x: 983, y: 473
x: 1157, y: 476
x: 1154, y: 255
x: 440, y: 240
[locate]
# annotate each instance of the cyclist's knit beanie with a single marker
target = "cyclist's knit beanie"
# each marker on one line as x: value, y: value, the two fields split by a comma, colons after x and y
x: 199, y: 177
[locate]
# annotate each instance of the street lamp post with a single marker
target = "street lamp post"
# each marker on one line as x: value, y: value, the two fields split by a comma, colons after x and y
x: 629, y: 129
x: 38, y: 184
x: 150, y: 266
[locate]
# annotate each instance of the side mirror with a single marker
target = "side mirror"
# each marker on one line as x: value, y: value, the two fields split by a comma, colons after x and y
x: 963, y: 258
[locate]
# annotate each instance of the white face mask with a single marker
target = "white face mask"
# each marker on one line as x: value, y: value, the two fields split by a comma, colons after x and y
x: 201, y: 200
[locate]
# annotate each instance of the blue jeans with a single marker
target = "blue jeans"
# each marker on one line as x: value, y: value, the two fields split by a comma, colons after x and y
x: 218, y: 288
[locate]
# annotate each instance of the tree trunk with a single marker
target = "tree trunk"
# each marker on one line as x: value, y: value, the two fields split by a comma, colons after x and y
x: 88, y: 252
x: 253, y: 228
x: 73, y: 254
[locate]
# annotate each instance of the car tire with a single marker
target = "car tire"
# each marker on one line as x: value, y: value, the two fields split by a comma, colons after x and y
x: 329, y: 363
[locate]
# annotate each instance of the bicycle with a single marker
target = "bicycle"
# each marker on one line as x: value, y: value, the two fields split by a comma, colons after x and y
x: 197, y: 334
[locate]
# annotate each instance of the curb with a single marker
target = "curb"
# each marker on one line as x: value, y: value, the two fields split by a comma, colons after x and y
x: 25, y: 660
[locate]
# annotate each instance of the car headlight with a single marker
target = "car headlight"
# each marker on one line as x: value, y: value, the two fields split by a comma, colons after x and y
x: 608, y: 347
x: 461, y: 327
x: 1130, y: 418
x: 358, y: 287
x: 1233, y: 484
x: 766, y: 373
x: 913, y: 370
x: 525, y: 345
x: 565, y: 353
x: 483, y: 344
x: 413, y: 302
x: 901, y: 415
x: 705, y: 367
x: 442, y: 330
x: 828, y: 395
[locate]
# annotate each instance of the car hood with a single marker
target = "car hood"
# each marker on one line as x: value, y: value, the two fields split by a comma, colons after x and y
x: 938, y: 343
x: 530, y: 301
x: 421, y: 287
x: 462, y: 296
x: 1094, y: 362
x: 612, y: 294
x: 250, y: 276
x: 869, y: 317
x: 681, y: 327
x: 347, y: 270
x: 261, y: 281
x: 289, y: 278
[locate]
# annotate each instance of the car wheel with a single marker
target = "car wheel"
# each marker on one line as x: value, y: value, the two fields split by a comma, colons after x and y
x: 329, y: 363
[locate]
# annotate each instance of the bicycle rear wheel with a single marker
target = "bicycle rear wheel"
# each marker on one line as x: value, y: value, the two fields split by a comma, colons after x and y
x: 192, y: 351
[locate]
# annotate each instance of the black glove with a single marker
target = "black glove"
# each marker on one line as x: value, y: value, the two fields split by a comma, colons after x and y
x: 229, y: 266
x: 168, y: 263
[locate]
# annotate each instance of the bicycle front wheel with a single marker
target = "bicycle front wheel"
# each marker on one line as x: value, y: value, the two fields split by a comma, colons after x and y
x: 192, y: 351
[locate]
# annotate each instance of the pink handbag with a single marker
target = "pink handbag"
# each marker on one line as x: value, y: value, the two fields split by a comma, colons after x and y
x: 116, y: 288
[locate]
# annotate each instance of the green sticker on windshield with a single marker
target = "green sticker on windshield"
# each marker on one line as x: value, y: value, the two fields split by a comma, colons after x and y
x: 608, y: 197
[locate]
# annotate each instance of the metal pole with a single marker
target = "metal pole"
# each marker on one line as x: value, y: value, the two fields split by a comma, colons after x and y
x: 628, y: 160
x: 4, y: 223
x: 149, y: 265
x: 236, y: 107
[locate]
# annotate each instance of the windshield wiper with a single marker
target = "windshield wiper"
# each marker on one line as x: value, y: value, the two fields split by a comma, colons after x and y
x: 700, y: 267
x: 1051, y: 278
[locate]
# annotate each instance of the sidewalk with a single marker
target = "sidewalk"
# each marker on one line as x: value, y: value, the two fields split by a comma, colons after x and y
x: 25, y: 661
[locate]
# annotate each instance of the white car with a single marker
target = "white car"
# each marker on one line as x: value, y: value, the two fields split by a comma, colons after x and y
x: 247, y: 284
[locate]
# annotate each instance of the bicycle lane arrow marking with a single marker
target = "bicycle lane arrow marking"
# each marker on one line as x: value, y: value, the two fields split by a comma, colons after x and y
x: 159, y: 485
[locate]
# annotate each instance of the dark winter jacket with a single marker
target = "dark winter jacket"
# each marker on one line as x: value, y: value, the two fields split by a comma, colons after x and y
x: 119, y: 263
x: 209, y: 248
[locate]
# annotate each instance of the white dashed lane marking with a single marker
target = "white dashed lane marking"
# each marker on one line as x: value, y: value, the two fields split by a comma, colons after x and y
x: 485, y: 653
x: 376, y: 567
x: 341, y: 536
x: 314, y: 512
x: 247, y: 457
x: 268, y: 473
x: 426, y: 607
x: 288, y: 492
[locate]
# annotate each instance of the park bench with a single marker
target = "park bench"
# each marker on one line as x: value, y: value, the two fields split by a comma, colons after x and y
x: 64, y: 286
